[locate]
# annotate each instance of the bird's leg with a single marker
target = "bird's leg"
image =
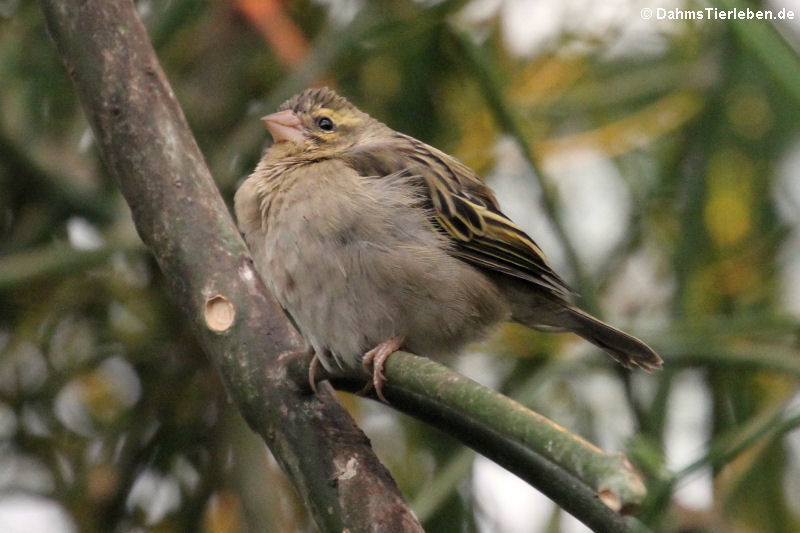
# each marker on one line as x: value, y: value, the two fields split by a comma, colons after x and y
x: 373, y: 364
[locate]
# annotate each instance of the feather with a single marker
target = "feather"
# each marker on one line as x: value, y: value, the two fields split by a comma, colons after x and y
x: 463, y: 208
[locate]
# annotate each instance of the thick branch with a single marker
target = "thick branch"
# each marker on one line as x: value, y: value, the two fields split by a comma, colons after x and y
x: 179, y: 214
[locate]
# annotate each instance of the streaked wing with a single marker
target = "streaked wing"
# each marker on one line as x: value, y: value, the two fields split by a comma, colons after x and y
x: 464, y: 209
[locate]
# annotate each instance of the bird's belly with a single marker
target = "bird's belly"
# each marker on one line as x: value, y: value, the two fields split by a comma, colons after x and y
x: 348, y: 292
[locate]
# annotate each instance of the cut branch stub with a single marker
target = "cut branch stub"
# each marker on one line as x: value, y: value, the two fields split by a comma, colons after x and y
x: 219, y: 313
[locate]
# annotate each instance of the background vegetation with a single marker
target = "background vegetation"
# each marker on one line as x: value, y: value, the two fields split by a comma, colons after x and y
x: 656, y: 162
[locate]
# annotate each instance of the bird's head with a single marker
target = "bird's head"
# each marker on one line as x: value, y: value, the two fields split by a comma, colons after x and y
x: 319, y: 123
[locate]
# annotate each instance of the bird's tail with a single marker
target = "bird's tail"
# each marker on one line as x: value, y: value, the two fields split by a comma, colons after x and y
x: 626, y: 349
x: 544, y: 310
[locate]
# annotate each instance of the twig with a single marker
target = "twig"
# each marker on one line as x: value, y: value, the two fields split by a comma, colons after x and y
x: 767, y: 425
x: 50, y: 261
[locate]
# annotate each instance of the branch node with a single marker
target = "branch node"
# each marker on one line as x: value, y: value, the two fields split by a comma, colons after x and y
x: 610, y: 498
x: 219, y: 313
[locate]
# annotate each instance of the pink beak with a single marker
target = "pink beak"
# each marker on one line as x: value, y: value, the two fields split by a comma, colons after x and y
x: 284, y: 126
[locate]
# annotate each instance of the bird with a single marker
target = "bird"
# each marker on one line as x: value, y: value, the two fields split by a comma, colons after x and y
x: 374, y: 241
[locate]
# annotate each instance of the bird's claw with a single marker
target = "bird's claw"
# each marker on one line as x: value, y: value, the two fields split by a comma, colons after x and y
x: 373, y: 364
x: 312, y: 372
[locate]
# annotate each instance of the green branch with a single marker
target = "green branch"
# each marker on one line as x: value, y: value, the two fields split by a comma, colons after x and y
x: 587, y: 482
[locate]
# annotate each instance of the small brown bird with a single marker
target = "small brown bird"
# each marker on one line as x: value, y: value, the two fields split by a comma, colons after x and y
x: 374, y: 241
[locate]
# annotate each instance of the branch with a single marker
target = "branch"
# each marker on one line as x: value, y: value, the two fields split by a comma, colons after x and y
x: 762, y: 357
x: 148, y: 148
x: 59, y: 189
x: 764, y: 426
x: 585, y: 481
x: 53, y: 260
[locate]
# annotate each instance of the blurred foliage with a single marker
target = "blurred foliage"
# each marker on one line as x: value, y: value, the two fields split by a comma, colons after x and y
x: 108, y: 408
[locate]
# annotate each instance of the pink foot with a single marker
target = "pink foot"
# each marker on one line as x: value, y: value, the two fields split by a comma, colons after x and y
x: 375, y: 358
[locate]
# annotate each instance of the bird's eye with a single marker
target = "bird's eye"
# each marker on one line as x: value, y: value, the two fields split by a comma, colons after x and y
x: 325, y: 124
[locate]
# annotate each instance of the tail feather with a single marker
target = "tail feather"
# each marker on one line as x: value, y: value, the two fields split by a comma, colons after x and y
x: 544, y: 310
x: 626, y: 349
